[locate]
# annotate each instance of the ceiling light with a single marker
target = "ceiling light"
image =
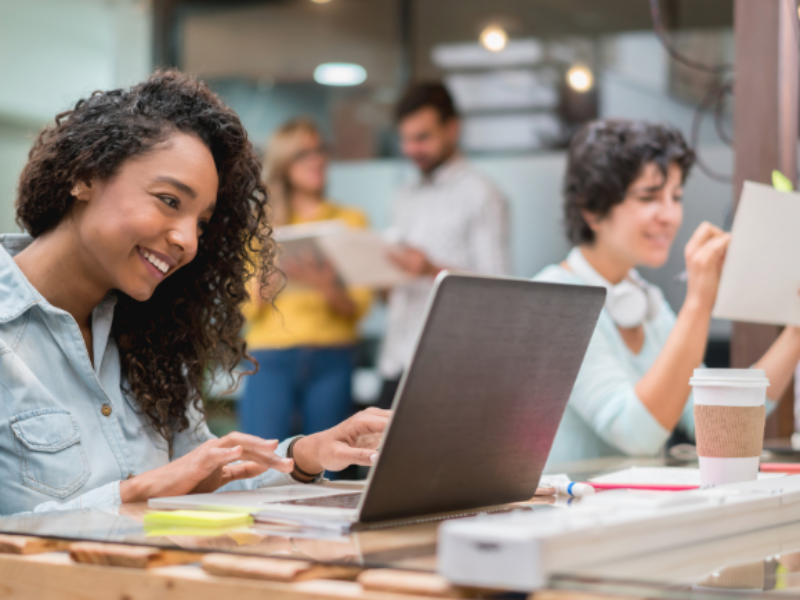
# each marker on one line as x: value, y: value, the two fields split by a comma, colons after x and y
x: 494, y: 38
x: 580, y: 78
x: 340, y: 74
x: 320, y: 1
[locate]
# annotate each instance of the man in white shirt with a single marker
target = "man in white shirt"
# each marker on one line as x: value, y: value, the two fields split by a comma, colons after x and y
x: 452, y: 217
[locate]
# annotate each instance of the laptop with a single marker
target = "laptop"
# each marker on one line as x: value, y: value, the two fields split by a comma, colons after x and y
x: 475, y: 413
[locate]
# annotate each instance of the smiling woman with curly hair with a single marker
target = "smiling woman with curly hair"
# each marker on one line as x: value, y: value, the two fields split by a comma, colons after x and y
x: 146, y: 218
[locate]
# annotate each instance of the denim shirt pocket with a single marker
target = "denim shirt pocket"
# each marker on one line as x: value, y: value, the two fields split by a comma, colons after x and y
x: 48, y: 443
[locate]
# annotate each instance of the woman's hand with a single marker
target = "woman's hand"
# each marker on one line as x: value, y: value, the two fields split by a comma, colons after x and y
x: 352, y: 442
x: 207, y: 468
x: 705, y: 254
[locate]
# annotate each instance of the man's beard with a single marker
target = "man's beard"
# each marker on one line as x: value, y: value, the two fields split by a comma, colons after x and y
x: 443, y: 158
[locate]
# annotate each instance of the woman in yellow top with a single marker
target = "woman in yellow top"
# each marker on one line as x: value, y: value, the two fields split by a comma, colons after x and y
x: 305, y: 344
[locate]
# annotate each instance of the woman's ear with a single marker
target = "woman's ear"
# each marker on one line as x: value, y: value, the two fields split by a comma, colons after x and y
x: 592, y: 219
x: 81, y: 191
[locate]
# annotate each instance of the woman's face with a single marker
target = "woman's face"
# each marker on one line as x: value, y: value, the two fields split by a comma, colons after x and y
x: 144, y: 223
x: 306, y: 172
x: 640, y: 230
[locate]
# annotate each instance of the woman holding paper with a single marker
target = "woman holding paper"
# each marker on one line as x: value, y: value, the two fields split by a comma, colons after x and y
x: 623, y: 193
x: 305, y: 342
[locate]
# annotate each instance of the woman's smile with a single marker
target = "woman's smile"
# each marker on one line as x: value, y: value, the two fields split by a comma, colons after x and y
x: 156, y: 263
x: 660, y: 240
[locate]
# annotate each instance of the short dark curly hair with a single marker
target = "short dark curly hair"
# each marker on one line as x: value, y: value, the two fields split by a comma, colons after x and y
x: 605, y: 158
x: 194, y: 317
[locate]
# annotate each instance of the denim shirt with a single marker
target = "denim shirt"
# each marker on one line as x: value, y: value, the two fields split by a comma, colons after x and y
x: 68, y: 433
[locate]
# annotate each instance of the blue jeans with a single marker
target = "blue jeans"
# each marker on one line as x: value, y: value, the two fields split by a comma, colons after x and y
x: 297, y: 390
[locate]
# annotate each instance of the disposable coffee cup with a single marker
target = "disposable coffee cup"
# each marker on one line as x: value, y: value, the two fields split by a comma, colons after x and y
x: 729, y: 414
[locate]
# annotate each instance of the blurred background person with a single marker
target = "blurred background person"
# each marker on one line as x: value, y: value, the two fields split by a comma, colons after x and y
x: 305, y: 344
x: 452, y: 217
x: 623, y: 208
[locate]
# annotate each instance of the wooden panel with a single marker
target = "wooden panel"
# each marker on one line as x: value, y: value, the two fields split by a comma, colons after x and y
x: 119, y: 555
x: 405, y: 582
x: 52, y: 577
x: 22, y: 544
x: 766, y: 131
x: 274, y: 569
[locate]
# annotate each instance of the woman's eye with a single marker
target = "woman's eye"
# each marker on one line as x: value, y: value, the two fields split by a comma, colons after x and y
x: 646, y: 198
x: 170, y: 201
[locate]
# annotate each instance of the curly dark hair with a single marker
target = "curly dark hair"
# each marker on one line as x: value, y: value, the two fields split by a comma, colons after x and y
x: 605, y: 158
x: 194, y: 317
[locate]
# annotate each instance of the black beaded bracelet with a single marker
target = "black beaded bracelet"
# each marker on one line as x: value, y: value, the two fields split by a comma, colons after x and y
x: 297, y: 470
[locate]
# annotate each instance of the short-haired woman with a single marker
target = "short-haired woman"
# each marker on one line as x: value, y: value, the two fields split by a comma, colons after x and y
x: 623, y: 193
x: 146, y: 215
x: 305, y: 343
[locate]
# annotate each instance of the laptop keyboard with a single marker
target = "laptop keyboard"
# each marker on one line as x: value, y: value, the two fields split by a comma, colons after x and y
x: 337, y: 501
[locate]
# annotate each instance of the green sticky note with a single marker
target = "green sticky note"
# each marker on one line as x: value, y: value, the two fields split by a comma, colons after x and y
x: 196, y: 518
x: 781, y: 182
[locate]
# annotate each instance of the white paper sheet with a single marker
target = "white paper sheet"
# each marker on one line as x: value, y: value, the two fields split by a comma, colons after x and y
x: 761, y: 274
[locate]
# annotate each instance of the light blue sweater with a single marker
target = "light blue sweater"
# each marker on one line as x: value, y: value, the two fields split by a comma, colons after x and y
x: 604, y: 416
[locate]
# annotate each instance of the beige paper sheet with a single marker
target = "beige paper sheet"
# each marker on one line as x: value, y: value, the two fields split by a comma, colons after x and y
x: 761, y: 275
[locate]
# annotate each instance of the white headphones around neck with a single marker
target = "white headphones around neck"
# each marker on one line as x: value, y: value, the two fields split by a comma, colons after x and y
x: 631, y: 302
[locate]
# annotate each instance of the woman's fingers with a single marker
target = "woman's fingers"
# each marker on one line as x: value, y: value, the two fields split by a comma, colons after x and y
x: 714, y: 249
x: 245, y: 440
x: 347, y: 455
x: 213, y: 458
x: 241, y: 470
x: 366, y: 423
x: 258, y: 450
x: 381, y: 412
x: 701, y: 235
x: 370, y: 441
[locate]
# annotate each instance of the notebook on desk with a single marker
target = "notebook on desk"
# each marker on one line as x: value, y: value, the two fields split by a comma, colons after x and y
x: 475, y: 413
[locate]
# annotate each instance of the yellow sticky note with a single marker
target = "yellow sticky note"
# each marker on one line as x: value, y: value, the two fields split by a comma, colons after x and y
x: 781, y: 182
x: 196, y: 518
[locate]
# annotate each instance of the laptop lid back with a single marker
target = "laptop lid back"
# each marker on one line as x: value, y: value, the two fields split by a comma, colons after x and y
x: 478, y: 408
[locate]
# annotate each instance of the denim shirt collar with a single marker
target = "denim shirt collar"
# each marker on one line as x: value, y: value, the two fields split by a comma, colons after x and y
x: 17, y: 292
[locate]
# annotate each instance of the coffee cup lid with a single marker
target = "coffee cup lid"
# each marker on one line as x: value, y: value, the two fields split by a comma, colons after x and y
x: 730, y: 378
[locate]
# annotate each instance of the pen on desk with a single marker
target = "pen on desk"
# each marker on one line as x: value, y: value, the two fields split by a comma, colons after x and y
x: 562, y: 486
x: 576, y: 490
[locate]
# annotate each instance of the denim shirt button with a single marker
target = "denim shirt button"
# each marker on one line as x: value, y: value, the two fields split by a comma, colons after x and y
x: 106, y: 410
